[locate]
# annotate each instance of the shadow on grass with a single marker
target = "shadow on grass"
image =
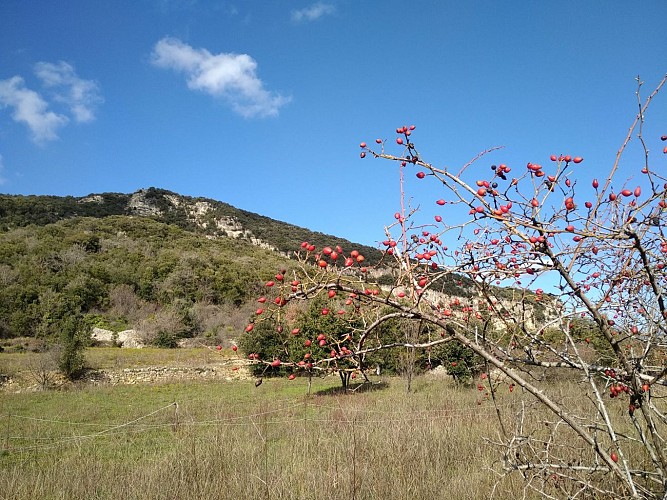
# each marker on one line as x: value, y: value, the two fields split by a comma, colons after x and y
x: 352, y: 389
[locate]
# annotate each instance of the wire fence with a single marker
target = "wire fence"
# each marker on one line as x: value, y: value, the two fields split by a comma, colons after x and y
x: 286, y: 412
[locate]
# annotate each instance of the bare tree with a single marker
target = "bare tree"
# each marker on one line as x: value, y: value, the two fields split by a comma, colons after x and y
x: 589, y: 357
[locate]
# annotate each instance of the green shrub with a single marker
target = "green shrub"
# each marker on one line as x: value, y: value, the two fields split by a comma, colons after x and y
x: 459, y: 361
x: 73, y: 337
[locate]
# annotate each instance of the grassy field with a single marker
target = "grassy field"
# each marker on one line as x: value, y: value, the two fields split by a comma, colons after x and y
x: 232, y: 440
x: 229, y: 439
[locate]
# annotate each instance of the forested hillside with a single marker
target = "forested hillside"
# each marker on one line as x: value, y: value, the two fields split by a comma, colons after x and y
x: 167, y: 265
x: 124, y: 271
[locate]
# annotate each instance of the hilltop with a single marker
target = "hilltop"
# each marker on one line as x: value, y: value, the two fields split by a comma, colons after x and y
x: 201, y: 216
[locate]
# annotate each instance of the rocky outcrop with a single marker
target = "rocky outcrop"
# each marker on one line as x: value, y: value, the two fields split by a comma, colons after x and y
x: 126, y: 338
x: 139, y: 205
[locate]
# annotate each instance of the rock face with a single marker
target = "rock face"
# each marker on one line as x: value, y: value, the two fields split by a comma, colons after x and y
x: 126, y: 338
x: 201, y: 213
x: 139, y: 205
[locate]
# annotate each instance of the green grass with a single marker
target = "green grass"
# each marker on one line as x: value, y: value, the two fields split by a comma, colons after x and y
x: 232, y: 440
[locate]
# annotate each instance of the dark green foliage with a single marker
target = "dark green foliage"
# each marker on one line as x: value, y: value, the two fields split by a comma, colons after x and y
x: 73, y: 340
x: 75, y: 263
x: 166, y: 339
x: 267, y: 343
x: 459, y: 361
x: 402, y: 360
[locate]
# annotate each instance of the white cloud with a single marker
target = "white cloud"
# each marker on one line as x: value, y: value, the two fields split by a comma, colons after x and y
x: 313, y: 12
x: 31, y: 109
x: 64, y: 86
x: 81, y: 96
x: 230, y: 76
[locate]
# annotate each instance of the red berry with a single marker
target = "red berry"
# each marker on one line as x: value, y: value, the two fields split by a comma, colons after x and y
x: 577, y: 159
x: 362, y: 145
x: 421, y: 175
x: 399, y: 140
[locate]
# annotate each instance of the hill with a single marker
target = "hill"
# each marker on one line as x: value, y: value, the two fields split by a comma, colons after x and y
x: 201, y: 216
x: 168, y: 265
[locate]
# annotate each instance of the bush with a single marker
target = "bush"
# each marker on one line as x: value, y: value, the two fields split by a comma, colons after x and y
x: 459, y: 361
x: 73, y: 336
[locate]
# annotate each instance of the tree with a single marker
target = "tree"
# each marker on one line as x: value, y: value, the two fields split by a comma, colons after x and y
x: 73, y: 336
x: 507, y: 235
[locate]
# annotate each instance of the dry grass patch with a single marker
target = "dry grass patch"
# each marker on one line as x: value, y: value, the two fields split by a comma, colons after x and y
x: 235, y: 441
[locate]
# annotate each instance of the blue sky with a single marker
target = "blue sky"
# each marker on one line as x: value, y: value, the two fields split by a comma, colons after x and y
x: 263, y: 104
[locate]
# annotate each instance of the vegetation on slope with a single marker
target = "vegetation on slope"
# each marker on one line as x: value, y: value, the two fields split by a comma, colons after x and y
x: 125, y: 271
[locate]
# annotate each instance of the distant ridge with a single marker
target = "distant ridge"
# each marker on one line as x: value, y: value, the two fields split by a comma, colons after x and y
x: 204, y: 216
